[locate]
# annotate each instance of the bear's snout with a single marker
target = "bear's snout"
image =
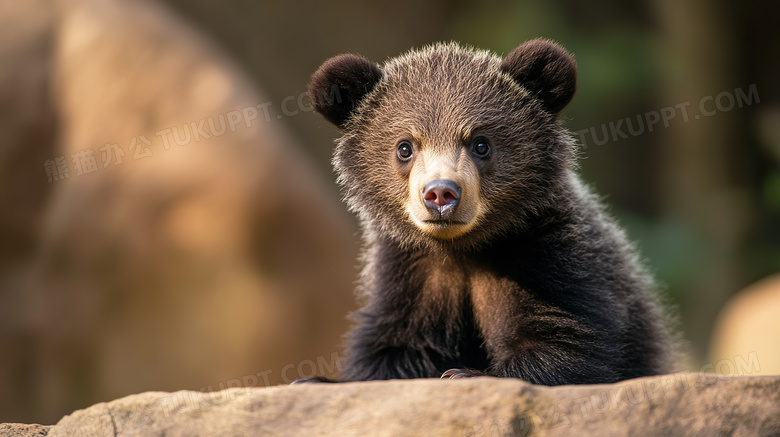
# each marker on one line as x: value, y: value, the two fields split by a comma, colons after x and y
x: 441, y: 197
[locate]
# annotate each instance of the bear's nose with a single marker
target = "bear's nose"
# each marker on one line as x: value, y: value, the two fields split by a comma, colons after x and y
x: 441, y: 194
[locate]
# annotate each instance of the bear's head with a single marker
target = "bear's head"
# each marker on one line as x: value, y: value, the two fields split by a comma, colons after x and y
x: 448, y: 145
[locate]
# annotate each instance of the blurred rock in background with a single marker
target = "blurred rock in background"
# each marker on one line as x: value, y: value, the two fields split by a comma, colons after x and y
x: 748, y: 330
x: 191, y: 245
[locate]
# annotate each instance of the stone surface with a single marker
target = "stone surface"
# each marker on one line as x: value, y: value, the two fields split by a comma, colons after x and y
x: 23, y: 430
x: 670, y: 405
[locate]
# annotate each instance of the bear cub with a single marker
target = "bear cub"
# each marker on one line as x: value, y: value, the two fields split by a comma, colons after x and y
x: 484, y: 253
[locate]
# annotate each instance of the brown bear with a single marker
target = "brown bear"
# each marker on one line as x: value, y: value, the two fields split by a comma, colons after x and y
x: 484, y: 253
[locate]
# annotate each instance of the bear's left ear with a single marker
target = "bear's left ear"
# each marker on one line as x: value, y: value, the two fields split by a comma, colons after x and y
x: 340, y: 84
x: 545, y: 69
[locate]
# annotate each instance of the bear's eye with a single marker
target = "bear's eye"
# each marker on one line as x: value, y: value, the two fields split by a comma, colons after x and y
x: 404, y: 150
x: 481, y: 147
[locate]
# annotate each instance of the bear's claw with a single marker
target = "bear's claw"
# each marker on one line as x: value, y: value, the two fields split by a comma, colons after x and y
x: 316, y: 379
x: 461, y: 373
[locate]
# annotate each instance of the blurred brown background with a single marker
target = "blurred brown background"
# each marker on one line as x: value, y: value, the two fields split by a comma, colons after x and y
x: 198, y: 241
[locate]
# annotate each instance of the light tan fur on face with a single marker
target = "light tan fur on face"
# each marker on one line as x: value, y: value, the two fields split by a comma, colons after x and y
x: 445, y: 162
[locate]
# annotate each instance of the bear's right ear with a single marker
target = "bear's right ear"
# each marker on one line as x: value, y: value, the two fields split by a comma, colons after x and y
x: 545, y: 69
x: 340, y: 84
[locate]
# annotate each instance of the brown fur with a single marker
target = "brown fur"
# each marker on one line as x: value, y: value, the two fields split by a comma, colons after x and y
x: 526, y: 276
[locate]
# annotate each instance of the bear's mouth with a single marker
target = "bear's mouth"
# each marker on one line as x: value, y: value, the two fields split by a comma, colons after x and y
x: 443, y: 229
x: 442, y: 222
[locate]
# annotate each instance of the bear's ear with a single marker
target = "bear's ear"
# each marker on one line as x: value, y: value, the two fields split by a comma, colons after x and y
x: 545, y: 69
x: 340, y: 83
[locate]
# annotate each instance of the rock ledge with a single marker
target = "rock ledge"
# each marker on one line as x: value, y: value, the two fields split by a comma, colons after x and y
x: 675, y: 404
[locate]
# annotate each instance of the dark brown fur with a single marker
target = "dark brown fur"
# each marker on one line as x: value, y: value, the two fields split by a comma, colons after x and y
x: 539, y: 284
